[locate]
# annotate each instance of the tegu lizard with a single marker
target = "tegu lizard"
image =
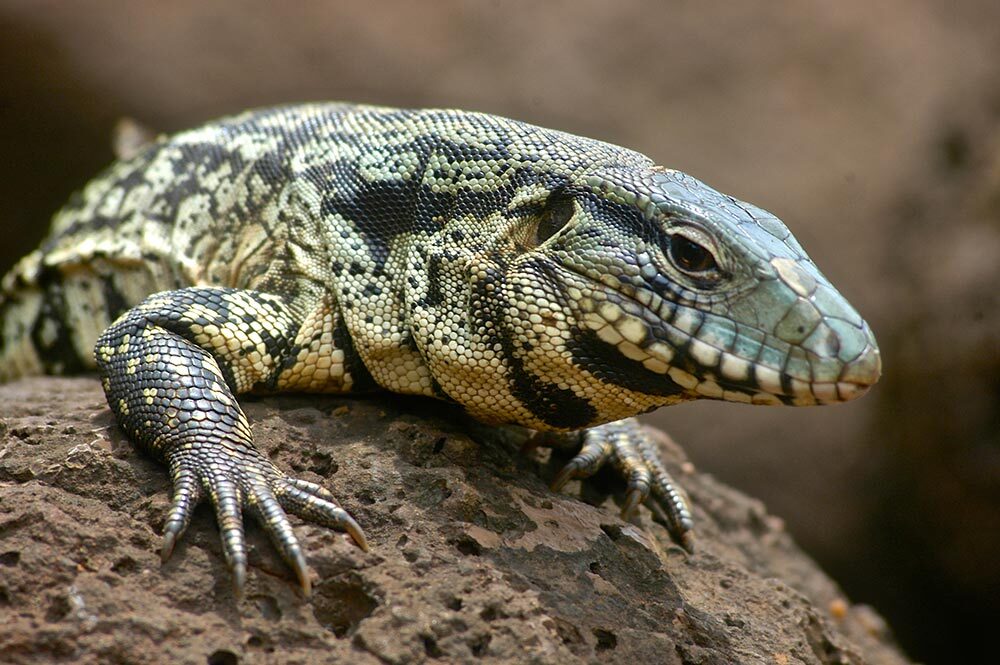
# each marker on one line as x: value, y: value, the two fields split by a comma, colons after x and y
x: 533, y: 277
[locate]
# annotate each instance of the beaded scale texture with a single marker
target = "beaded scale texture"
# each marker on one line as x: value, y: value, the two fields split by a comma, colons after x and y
x: 534, y: 277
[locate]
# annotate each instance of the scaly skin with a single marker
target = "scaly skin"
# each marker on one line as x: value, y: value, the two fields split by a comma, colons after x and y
x: 534, y: 277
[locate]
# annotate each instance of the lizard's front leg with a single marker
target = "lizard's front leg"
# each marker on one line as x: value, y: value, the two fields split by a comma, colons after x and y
x: 170, y: 368
x: 635, y: 457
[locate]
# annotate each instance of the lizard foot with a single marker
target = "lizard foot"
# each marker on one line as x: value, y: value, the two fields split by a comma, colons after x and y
x: 252, y: 483
x: 635, y: 457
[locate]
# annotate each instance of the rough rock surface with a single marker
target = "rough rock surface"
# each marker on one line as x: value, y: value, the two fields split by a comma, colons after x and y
x: 863, y: 125
x: 473, y: 559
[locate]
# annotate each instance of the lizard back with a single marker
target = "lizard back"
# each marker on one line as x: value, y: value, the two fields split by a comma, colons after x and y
x: 307, y: 199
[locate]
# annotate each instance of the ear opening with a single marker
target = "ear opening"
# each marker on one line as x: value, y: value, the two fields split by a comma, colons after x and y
x: 557, y: 211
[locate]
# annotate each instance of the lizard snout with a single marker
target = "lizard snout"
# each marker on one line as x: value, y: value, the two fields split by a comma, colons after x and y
x: 861, y: 373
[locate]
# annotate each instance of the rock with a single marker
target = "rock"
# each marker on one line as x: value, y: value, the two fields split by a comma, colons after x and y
x: 473, y: 559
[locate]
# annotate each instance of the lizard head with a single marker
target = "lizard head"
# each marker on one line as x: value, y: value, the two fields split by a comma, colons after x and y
x: 679, y: 292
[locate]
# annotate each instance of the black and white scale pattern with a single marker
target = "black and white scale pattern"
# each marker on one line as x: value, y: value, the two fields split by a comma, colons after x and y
x: 534, y: 277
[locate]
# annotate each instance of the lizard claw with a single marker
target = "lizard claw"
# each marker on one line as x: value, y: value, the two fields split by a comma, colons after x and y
x: 187, y: 494
x: 685, y: 539
x: 634, y: 456
x: 252, y: 483
x: 315, y: 503
x: 592, y: 456
x: 635, y: 496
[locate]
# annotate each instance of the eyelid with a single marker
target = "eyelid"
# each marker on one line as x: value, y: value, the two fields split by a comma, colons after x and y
x: 695, y: 234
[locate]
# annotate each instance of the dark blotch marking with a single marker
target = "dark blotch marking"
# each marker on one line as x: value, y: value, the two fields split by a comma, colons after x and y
x: 363, y: 382
x: 382, y: 210
x: 627, y: 217
x: 558, y: 407
x: 555, y: 406
x: 114, y: 302
x: 609, y: 365
x: 435, y: 296
x: 51, y: 335
x: 379, y: 210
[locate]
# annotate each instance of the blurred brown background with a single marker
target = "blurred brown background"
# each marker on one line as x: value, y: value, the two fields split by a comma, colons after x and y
x: 872, y: 129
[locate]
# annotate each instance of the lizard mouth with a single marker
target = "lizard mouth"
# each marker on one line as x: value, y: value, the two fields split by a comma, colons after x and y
x: 711, y: 356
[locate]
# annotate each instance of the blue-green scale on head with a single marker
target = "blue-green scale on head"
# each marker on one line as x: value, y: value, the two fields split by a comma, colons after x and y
x: 700, y: 296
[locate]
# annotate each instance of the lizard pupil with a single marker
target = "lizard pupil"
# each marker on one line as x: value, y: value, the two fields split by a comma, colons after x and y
x: 689, y: 255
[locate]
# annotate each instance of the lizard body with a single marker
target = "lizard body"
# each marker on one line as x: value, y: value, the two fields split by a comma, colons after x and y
x: 534, y: 277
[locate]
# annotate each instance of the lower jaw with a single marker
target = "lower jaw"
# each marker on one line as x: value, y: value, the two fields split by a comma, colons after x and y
x: 805, y: 393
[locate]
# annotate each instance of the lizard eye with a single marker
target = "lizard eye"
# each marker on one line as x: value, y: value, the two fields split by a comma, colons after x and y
x: 558, y: 211
x: 689, y: 256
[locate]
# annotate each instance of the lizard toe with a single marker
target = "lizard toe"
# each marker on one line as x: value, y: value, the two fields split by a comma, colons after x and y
x: 594, y: 453
x: 271, y: 515
x: 637, y: 490
x: 227, y: 500
x: 628, y: 460
x: 316, y: 504
x: 187, y: 495
x: 636, y: 459
x: 666, y: 493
